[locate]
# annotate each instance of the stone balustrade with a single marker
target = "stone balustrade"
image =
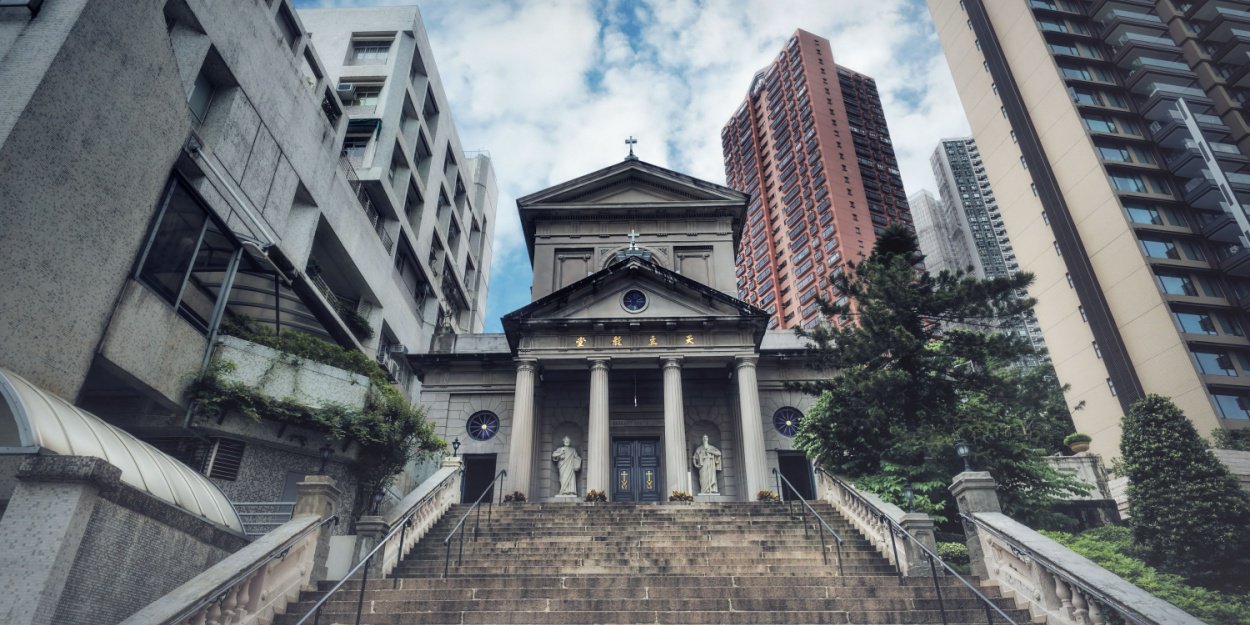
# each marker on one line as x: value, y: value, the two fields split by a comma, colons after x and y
x: 418, y: 512
x: 1051, y: 581
x: 883, y: 524
x: 254, y: 584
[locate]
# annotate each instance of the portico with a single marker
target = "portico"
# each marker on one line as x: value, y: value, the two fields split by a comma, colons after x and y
x: 634, y: 347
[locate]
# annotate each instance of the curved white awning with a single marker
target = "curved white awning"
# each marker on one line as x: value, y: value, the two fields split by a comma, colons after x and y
x: 33, y: 420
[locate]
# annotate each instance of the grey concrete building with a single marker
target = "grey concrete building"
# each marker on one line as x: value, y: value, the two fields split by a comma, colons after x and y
x: 941, y: 239
x: 970, y: 217
x: 634, y: 348
x: 170, y: 165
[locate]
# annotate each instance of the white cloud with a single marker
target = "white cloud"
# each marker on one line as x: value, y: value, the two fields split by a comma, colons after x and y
x: 552, y: 87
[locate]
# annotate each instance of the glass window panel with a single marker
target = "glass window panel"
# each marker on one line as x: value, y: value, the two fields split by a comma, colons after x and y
x: 1177, y: 285
x: 1125, y: 182
x: 1195, y: 323
x: 173, y: 245
x: 1143, y: 215
x: 1160, y: 249
x: 1214, y: 363
x: 1232, y: 406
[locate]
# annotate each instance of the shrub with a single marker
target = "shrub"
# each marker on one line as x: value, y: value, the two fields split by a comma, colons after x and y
x: 1188, y: 514
x: 596, y: 496
x: 1112, y: 548
x: 680, y: 495
x: 953, y: 553
x: 1238, y: 440
x: 516, y: 497
x: 767, y: 495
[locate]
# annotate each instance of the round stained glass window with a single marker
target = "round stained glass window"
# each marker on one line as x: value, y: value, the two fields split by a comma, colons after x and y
x: 786, y: 421
x: 483, y: 426
x: 634, y: 301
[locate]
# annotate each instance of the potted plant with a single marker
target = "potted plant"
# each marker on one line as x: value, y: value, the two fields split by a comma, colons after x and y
x: 681, y: 495
x: 516, y: 497
x: 1077, y: 442
x: 596, y: 496
x: 767, y: 495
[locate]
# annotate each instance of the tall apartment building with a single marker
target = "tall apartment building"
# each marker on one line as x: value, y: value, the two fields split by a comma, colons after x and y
x: 1116, y: 137
x: 975, y: 221
x: 170, y: 165
x: 941, y: 237
x: 810, y: 146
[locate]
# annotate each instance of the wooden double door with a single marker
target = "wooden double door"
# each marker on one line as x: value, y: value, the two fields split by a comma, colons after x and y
x: 636, y: 472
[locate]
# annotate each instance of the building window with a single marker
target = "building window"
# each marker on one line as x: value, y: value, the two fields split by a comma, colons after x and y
x: 483, y: 425
x: 1081, y: 309
x: 1111, y: 387
x: 1097, y: 350
x: 224, y: 459
x: 287, y: 26
x: 786, y: 421
x: 369, y: 51
x: 1214, y: 363
x: 1232, y: 406
x: 201, y: 97
x: 186, y: 254
x: 1071, y: 285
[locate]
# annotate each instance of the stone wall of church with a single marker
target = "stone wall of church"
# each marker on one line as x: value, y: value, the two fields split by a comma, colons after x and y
x: 773, y: 375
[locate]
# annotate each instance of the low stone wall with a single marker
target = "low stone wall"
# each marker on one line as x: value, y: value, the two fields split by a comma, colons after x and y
x: 1238, y: 463
x: 79, y: 547
x: 283, y: 376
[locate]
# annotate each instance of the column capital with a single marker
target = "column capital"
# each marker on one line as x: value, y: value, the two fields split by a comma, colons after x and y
x: 746, y: 361
x: 672, y: 361
x: 525, y: 364
x: 600, y: 362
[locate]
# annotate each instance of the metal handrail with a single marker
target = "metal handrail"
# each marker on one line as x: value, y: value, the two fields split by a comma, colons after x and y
x: 1054, y: 569
x: 933, y: 558
x: 400, y: 526
x: 223, y: 588
x: 837, y: 539
x: 477, y: 505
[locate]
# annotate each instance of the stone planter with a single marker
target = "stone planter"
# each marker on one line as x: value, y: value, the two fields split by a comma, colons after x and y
x: 288, y: 378
x: 1079, y: 447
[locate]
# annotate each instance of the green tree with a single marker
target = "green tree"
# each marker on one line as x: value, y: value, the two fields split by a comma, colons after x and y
x: 917, y: 366
x: 1189, y: 516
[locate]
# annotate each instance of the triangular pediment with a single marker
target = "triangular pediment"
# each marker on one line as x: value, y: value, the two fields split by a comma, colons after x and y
x: 632, y: 182
x: 667, y: 297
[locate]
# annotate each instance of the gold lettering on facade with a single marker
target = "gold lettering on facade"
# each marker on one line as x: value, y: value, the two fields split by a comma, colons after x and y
x: 689, y: 339
x: 581, y: 341
x: 652, y: 342
x: 616, y: 341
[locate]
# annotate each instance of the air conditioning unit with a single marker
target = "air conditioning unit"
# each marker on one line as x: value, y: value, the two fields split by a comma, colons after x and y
x: 346, y: 90
x: 397, y: 349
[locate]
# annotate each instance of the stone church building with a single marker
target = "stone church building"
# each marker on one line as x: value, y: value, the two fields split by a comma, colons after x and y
x: 634, y: 347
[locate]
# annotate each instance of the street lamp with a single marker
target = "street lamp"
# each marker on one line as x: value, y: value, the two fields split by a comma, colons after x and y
x: 455, y: 447
x: 963, y: 451
x: 325, y: 450
x: 908, y: 494
x: 377, y: 500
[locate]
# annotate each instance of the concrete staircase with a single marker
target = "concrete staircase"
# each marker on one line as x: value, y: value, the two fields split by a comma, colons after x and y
x: 621, y: 563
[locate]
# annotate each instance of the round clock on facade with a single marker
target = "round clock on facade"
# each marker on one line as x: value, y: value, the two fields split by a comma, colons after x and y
x: 786, y: 421
x: 483, y: 425
x: 634, y: 301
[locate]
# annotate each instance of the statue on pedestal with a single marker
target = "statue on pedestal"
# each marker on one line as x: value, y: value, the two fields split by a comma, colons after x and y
x: 568, y: 463
x: 707, y: 459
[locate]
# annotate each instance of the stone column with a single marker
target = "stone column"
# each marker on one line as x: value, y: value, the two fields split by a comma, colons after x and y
x: 975, y: 491
x: 598, y: 443
x: 921, y: 527
x: 521, y: 448
x: 755, y: 465
x: 42, y: 532
x: 319, y: 495
x: 675, y: 460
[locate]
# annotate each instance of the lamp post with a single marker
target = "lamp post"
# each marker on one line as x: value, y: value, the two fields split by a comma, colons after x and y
x: 908, y: 495
x: 963, y: 451
x: 325, y: 451
x: 455, y: 447
x: 377, y: 500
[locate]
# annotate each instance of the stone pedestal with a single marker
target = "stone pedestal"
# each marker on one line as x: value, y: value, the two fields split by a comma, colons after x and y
x: 371, y: 530
x: 975, y: 491
x: 921, y: 527
x: 567, y: 498
x: 318, y: 495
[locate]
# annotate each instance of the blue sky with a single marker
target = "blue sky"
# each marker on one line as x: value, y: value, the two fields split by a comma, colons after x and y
x: 551, y: 88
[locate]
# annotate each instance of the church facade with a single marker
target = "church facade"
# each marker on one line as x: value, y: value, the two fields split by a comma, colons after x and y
x: 634, y: 349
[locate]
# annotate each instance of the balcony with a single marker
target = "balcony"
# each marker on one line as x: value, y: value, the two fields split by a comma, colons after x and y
x: 1240, y: 77
x: 1189, y: 160
x: 1162, y: 97
x: 1203, y: 192
x: 1234, y: 260
x: 1119, y: 22
x: 1133, y: 45
x: 1173, y: 133
x: 279, y: 376
x: 1225, y: 22
x: 1145, y: 73
x: 1235, y: 49
x: 1222, y: 228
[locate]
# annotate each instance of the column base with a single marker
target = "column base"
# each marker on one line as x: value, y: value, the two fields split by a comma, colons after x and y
x: 567, y: 498
x: 713, y: 498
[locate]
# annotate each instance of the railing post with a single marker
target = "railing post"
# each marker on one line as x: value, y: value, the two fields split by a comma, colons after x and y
x: 920, y: 526
x: 371, y: 530
x: 975, y: 491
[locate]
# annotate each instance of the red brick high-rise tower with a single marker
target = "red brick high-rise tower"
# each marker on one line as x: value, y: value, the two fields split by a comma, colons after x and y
x: 810, y: 145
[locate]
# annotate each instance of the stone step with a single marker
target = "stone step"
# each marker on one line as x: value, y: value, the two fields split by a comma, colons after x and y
x: 650, y: 559
x: 405, y: 590
x: 680, y: 617
x: 599, y: 582
x: 582, y: 604
x: 759, y: 569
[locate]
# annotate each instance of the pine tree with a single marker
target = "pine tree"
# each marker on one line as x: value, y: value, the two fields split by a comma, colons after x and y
x: 1189, y: 516
x: 919, y: 366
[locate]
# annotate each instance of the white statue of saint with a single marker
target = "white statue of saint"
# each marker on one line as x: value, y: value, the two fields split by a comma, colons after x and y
x: 569, y: 463
x: 707, y: 459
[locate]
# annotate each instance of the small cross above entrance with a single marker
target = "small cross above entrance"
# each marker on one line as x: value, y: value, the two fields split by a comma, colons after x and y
x: 630, y: 142
x: 633, y: 239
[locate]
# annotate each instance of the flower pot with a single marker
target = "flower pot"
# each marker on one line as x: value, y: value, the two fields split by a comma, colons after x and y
x: 1079, y: 447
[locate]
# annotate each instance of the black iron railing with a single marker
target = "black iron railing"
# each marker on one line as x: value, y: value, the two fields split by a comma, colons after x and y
x: 477, y: 523
x: 932, y: 559
x: 821, y: 525
x: 378, y: 551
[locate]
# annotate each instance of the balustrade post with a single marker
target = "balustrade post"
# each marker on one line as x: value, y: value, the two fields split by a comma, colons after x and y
x: 920, y: 526
x: 319, y: 495
x: 371, y: 530
x: 975, y: 491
